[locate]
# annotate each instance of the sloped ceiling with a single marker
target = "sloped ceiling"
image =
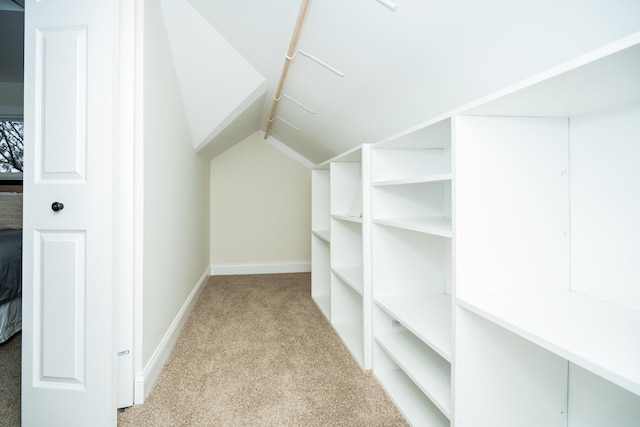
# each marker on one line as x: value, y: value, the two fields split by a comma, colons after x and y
x: 219, y: 87
x: 403, y: 67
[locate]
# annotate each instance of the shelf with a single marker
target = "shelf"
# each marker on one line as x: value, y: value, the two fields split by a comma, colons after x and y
x: 323, y: 234
x: 351, y: 334
x: 347, y: 217
x: 427, y: 316
x: 429, y: 371
x: 324, y: 304
x: 576, y: 89
x: 601, y: 337
x: 433, y: 134
x: 438, y: 226
x: 352, y: 276
x: 419, y: 165
x: 414, y: 405
x: 415, y: 180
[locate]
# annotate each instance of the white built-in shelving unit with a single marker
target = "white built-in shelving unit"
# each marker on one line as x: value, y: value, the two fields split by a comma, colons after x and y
x: 321, y: 240
x: 342, y: 291
x: 547, y: 201
x: 411, y: 271
x: 504, y: 247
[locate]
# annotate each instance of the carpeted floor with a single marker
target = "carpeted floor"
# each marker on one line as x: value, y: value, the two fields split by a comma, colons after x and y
x: 257, y: 352
x: 10, y: 381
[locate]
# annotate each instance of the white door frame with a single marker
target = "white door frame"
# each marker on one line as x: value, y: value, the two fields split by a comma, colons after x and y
x: 124, y: 220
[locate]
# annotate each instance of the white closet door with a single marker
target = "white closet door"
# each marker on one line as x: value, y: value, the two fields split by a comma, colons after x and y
x: 68, y: 347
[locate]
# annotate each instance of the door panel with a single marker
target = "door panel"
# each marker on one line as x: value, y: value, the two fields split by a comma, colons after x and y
x: 69, y: 352
x: 61, y: 283
x: 61, y: 88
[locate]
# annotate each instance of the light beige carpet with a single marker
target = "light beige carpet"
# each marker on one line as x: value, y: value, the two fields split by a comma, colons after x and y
x: 256, y: 351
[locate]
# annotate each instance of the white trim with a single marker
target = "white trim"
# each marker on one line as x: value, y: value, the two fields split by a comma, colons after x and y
x: 275, y: 142
x: 138, y: 197
x: 123, y: 212
x: 254, y: 96
x: 271, y: 268
x: 138, y: 389
x: 145, y: 380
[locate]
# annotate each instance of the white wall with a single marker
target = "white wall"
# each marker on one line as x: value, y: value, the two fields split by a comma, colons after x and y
x: 176, y: 195
x: 260, y: 210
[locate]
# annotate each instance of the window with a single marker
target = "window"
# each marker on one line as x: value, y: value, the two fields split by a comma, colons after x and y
x: 11, y: 145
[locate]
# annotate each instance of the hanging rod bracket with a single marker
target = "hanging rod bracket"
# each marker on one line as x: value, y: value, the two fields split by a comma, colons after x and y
x: 298, y: 103
x: 285, y: 122
x: 314, y: 59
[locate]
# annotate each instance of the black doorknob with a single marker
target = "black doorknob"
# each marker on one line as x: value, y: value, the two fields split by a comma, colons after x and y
x: 57, y: 206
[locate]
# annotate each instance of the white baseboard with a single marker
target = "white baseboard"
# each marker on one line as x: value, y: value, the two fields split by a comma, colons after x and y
x: 145, y: 380
x: 284, y: 267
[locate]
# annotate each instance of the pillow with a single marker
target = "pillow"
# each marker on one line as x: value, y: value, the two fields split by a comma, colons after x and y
x: 10, y: 211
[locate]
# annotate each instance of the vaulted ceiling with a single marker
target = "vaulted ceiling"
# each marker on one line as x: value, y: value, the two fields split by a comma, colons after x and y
x: 399, y: 67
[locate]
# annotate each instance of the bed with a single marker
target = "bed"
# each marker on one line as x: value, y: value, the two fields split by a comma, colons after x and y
x: 10, y: 264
